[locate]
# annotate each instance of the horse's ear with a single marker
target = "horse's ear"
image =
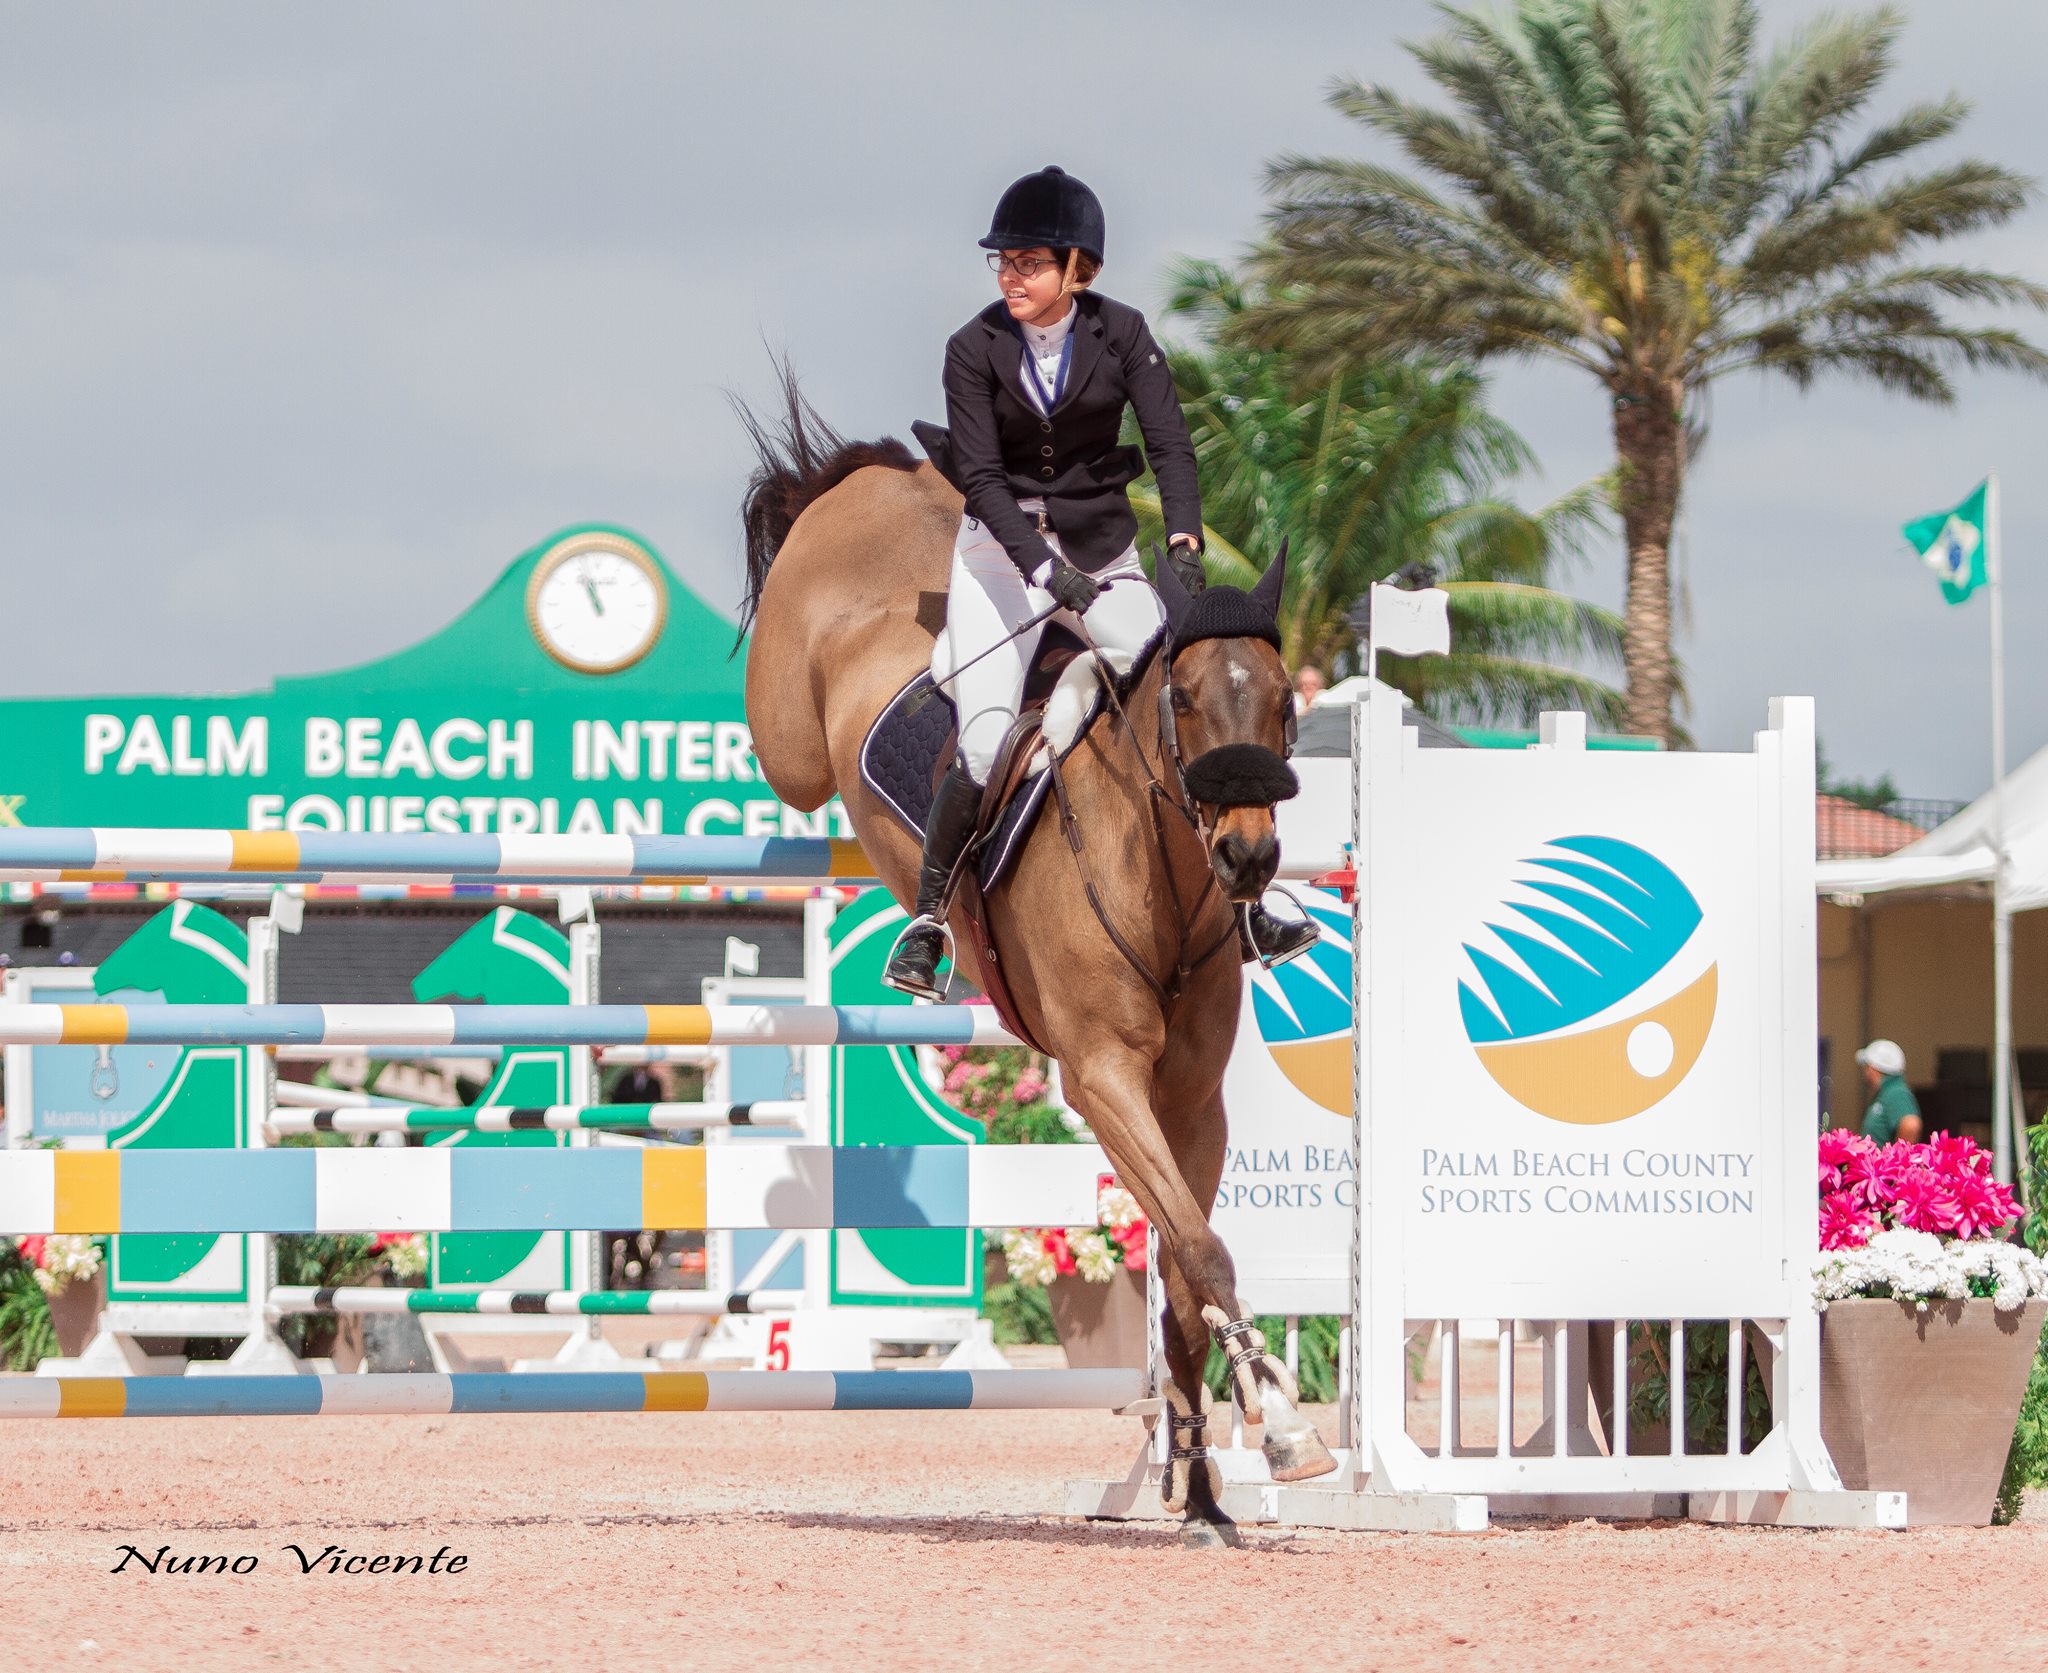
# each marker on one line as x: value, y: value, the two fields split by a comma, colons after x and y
x: 1271, y: 584
x: 1171, y: 593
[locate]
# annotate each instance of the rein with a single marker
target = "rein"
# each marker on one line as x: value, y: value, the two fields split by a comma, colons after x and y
x: 1155, y: 793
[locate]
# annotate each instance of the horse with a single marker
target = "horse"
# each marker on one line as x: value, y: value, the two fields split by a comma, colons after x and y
x: 848, y: 546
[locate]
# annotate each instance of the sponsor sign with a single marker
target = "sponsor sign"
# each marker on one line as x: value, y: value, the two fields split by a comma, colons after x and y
x: 588, y: 691
x: 1580, y: 1045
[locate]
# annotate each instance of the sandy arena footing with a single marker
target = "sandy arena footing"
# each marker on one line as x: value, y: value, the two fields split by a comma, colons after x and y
x: 884, y: 1541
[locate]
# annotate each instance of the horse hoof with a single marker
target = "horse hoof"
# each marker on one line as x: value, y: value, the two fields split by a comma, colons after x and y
x: 1300, y: 1456
x: 1197, y: 1534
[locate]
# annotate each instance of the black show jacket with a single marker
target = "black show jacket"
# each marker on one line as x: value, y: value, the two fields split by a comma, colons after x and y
x: 1002, y: 449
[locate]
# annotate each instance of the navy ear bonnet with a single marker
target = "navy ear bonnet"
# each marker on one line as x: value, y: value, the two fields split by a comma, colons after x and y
x: 1225, y: 613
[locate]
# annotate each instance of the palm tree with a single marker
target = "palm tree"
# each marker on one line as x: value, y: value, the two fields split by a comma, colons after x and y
x: 1634, y: 190
x: 1371, y: 470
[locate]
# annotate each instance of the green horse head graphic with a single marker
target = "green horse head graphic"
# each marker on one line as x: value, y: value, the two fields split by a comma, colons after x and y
x: 508, y: 958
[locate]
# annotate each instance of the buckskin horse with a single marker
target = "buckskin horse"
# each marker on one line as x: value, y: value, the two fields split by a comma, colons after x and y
x: 847, y: 550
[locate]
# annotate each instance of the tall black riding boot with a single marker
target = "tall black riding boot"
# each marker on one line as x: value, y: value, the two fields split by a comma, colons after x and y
x: 1273, y: 940
x: 914, y: 965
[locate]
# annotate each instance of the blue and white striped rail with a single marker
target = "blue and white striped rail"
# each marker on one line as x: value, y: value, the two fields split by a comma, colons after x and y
x: 501, y: 1025
x: 462, y: 1188
x: 433, y: 1395
x: 91, y: 854
x: 627, y: 1304
x: 551, y: 1118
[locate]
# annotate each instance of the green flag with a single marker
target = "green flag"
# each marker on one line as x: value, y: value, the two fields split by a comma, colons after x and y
x: 1955, y: 545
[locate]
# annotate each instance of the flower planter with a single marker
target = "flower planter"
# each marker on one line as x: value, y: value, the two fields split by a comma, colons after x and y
x: 1925, y: 1402
x: 75, y: 1312
x: 1100, y: 1324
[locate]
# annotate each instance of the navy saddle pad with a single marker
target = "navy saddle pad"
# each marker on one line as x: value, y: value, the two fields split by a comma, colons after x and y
x: 900, y: 760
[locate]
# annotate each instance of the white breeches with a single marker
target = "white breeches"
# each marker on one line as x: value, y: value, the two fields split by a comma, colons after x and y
x: 987, y: 599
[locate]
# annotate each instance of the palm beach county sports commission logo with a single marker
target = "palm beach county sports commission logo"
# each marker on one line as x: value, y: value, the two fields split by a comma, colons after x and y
x: 1592, y: 999
x: 1303, y: 1009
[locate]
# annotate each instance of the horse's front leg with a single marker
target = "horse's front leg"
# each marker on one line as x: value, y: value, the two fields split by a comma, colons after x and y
x: 1265, y: 1390
x: 1115, y: 1092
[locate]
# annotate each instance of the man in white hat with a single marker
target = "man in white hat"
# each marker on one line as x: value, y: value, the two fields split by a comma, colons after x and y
x: 1893, y: 1112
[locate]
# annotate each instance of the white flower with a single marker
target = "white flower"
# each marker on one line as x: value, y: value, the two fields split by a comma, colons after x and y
x: 1918, y: 1266
x: 1024, y: 1254
x: 1116, y: 1207
x: 1093, y: 1257
x: 68, y: 1259
x: 407, y: 1259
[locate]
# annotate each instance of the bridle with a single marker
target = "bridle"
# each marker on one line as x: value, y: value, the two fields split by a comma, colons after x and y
x: 1182, y: 801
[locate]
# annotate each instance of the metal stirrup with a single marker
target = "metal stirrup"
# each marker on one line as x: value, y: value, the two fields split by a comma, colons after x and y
x: 1244, y: 909
x: 925, y: 919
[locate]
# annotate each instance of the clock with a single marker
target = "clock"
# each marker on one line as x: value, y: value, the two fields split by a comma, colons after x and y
x: 597, y: 602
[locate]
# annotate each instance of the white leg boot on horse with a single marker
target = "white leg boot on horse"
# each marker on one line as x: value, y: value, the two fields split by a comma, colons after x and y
x: 1121, y: 909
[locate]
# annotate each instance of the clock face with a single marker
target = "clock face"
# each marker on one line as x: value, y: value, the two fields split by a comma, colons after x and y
x: 596, y: 603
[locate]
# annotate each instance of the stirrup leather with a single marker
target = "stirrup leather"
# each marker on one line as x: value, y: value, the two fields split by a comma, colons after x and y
x: 924, y: 920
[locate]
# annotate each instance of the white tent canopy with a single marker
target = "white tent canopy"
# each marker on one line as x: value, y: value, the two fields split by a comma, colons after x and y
x: 1959, y: 850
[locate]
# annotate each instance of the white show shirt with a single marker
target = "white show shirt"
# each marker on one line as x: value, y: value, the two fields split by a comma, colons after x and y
x: 1039, y: 368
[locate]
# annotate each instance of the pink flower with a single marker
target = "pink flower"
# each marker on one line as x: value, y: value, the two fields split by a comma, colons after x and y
x: 1958, y: 1155
x: 1132, y: 1240
x: 32, y: 1248
x: 1030, y: 1087
x: 1838, y: 1144
x: 1844, y: 1224
x: 1983, y: 1207
x: 1055, y: 1244
x: 1924, y: 1201
x: 1943, y: 1186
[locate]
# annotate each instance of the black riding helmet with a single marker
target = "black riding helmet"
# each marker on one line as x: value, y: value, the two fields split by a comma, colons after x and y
x: 1051, y: 208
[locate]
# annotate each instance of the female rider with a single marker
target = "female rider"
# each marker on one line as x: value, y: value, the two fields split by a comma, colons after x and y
x: 1036, y: 386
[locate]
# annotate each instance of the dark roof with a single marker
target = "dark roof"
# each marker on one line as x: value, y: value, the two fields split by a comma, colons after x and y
x: 1327, y: 731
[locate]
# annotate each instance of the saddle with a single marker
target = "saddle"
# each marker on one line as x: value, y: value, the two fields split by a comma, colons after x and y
x: 913, y: 740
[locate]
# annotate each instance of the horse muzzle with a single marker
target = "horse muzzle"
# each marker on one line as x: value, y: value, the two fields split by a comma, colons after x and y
x: 1230, y: 778
x: 1245, y: 861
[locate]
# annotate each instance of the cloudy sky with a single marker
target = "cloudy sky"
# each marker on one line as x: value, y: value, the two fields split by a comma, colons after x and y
x: 312, y: 318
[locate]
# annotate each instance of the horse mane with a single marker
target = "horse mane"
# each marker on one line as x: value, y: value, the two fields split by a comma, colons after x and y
x: 798, y: 458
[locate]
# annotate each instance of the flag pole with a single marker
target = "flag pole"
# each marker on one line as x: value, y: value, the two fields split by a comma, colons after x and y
x: 2001, y: 915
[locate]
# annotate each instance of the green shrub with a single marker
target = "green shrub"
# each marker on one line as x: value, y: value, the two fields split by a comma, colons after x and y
x: 26, y: 1334
x: 2026, y: 1465
x: 1706, y: 1385
x: 1020, y: 1313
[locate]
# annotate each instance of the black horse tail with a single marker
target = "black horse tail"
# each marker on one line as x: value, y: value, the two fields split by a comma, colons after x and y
x: 798, y: 458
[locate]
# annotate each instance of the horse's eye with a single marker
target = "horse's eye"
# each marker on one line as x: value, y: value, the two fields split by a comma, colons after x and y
x: 1183, y: 704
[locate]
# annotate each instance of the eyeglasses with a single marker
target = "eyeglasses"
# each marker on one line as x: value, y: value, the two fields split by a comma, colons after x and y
x: 1025, y: 267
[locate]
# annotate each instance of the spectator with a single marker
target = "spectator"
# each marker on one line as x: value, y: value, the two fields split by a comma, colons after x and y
x: 1893, y: 1112
x: 1308, y: 686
